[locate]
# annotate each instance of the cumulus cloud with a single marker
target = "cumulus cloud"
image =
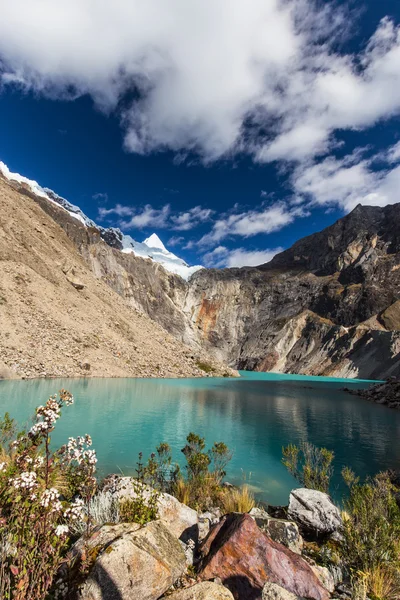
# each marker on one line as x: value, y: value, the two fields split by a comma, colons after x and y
x: 132, y: 217
x: 175, y: 240
x: 238, y: 257
x: 206, y: 76
x: 119, y: 210
x: 148, y: 217
x: 393, y: 154
x: 351, y: 180
x: 191, y: 218
x: 265, y: 219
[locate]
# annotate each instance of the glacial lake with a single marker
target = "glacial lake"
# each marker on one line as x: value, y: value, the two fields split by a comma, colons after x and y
x: 255, y: 415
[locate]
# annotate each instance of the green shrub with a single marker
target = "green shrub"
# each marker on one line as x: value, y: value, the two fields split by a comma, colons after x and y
x: 371, y: 526
x: 311, y: 466
x: 199, y: 485
x: 142, y: 507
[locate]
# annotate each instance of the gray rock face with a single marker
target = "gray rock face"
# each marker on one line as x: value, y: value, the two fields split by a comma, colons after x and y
x: 314, y: 512
x: 284, y: 532
x: 272, y: 591
x: 180, y: 519
x: 207, y: 590
x: 207, y: 520
x: 133, y: 562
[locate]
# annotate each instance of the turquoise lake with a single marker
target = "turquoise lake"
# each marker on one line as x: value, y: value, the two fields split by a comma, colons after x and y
x: 255, y: 415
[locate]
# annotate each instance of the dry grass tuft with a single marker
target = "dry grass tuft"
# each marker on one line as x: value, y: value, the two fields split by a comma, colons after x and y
x: 384, y: 582
x: 238, y: 500
x: 182, y: 491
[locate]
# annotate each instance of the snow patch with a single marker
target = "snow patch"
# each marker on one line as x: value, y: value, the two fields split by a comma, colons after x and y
x: 152, y: 248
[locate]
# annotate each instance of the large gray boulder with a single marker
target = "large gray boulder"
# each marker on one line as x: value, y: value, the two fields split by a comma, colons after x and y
x: 280, y: 530
x: 180, y: 519
x: 315, y: 512
x: 131, y: 562
x: 272, y: 591
x: 207, y: 590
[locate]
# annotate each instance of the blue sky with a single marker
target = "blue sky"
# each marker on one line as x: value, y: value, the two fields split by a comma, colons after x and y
x: 231, y: 129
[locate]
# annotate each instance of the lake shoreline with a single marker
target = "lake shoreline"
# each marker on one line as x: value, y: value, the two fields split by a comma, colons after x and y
x: 254, y: 415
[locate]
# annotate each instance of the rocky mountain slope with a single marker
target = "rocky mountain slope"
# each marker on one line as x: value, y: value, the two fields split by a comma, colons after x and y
x: 330, y: 305
x: 58, y: 317
x: 327, y: 306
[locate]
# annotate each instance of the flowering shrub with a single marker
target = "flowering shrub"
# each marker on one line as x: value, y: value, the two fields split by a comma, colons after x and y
x: 38, y: 505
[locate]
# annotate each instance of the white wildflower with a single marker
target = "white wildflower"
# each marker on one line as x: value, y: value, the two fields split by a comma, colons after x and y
x: 26, y: 480
x: 75, y: 510
x: 50, y: 500
x: 61, y: 530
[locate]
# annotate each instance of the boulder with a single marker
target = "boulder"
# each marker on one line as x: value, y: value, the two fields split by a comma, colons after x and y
x: 71, y: 277
x: 206, y: 590
x: 130, y: 561
x: 245, y: 558
x: 391, y: 317
x: 280, y: 530
x: 325, y: 577
x: 271, y: 591
x: 181, y: 520
x: 189, y: 550
x: 315, y: 513
x: 207, y: 520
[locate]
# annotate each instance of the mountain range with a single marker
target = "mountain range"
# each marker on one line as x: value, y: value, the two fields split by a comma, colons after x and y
x: 329, y: 305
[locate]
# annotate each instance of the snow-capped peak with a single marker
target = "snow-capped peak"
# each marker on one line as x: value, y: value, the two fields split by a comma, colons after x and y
x: 152, y: 247
x: 154, y: 242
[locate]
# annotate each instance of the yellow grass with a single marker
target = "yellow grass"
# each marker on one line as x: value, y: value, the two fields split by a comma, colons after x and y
x: 384, y: 583
x: 238, y: 500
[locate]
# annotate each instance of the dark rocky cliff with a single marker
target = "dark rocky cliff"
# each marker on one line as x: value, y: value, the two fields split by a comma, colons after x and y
x: 328, y: 305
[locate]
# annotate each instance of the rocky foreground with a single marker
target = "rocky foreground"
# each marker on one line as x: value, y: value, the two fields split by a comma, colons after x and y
x: 387, y: 393
x: 184, y: 555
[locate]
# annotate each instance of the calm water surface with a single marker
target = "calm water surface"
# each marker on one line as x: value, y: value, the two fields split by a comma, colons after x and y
x: 255, y: 415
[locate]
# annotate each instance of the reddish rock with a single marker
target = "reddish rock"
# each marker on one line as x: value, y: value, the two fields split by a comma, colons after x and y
x: 245, y: 558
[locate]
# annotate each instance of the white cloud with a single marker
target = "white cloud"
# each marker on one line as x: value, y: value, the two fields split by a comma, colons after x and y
x: 118, y: 209
x: 163, y: 218
x: 175, y: 240
x: 199, y: 66
x: 201, y: 77
x: 393, y: 154
x: 238, y: 257
x: 148, y: 217
x: 252, y: 222
x: 349, y: 181
x: 191, y: 218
